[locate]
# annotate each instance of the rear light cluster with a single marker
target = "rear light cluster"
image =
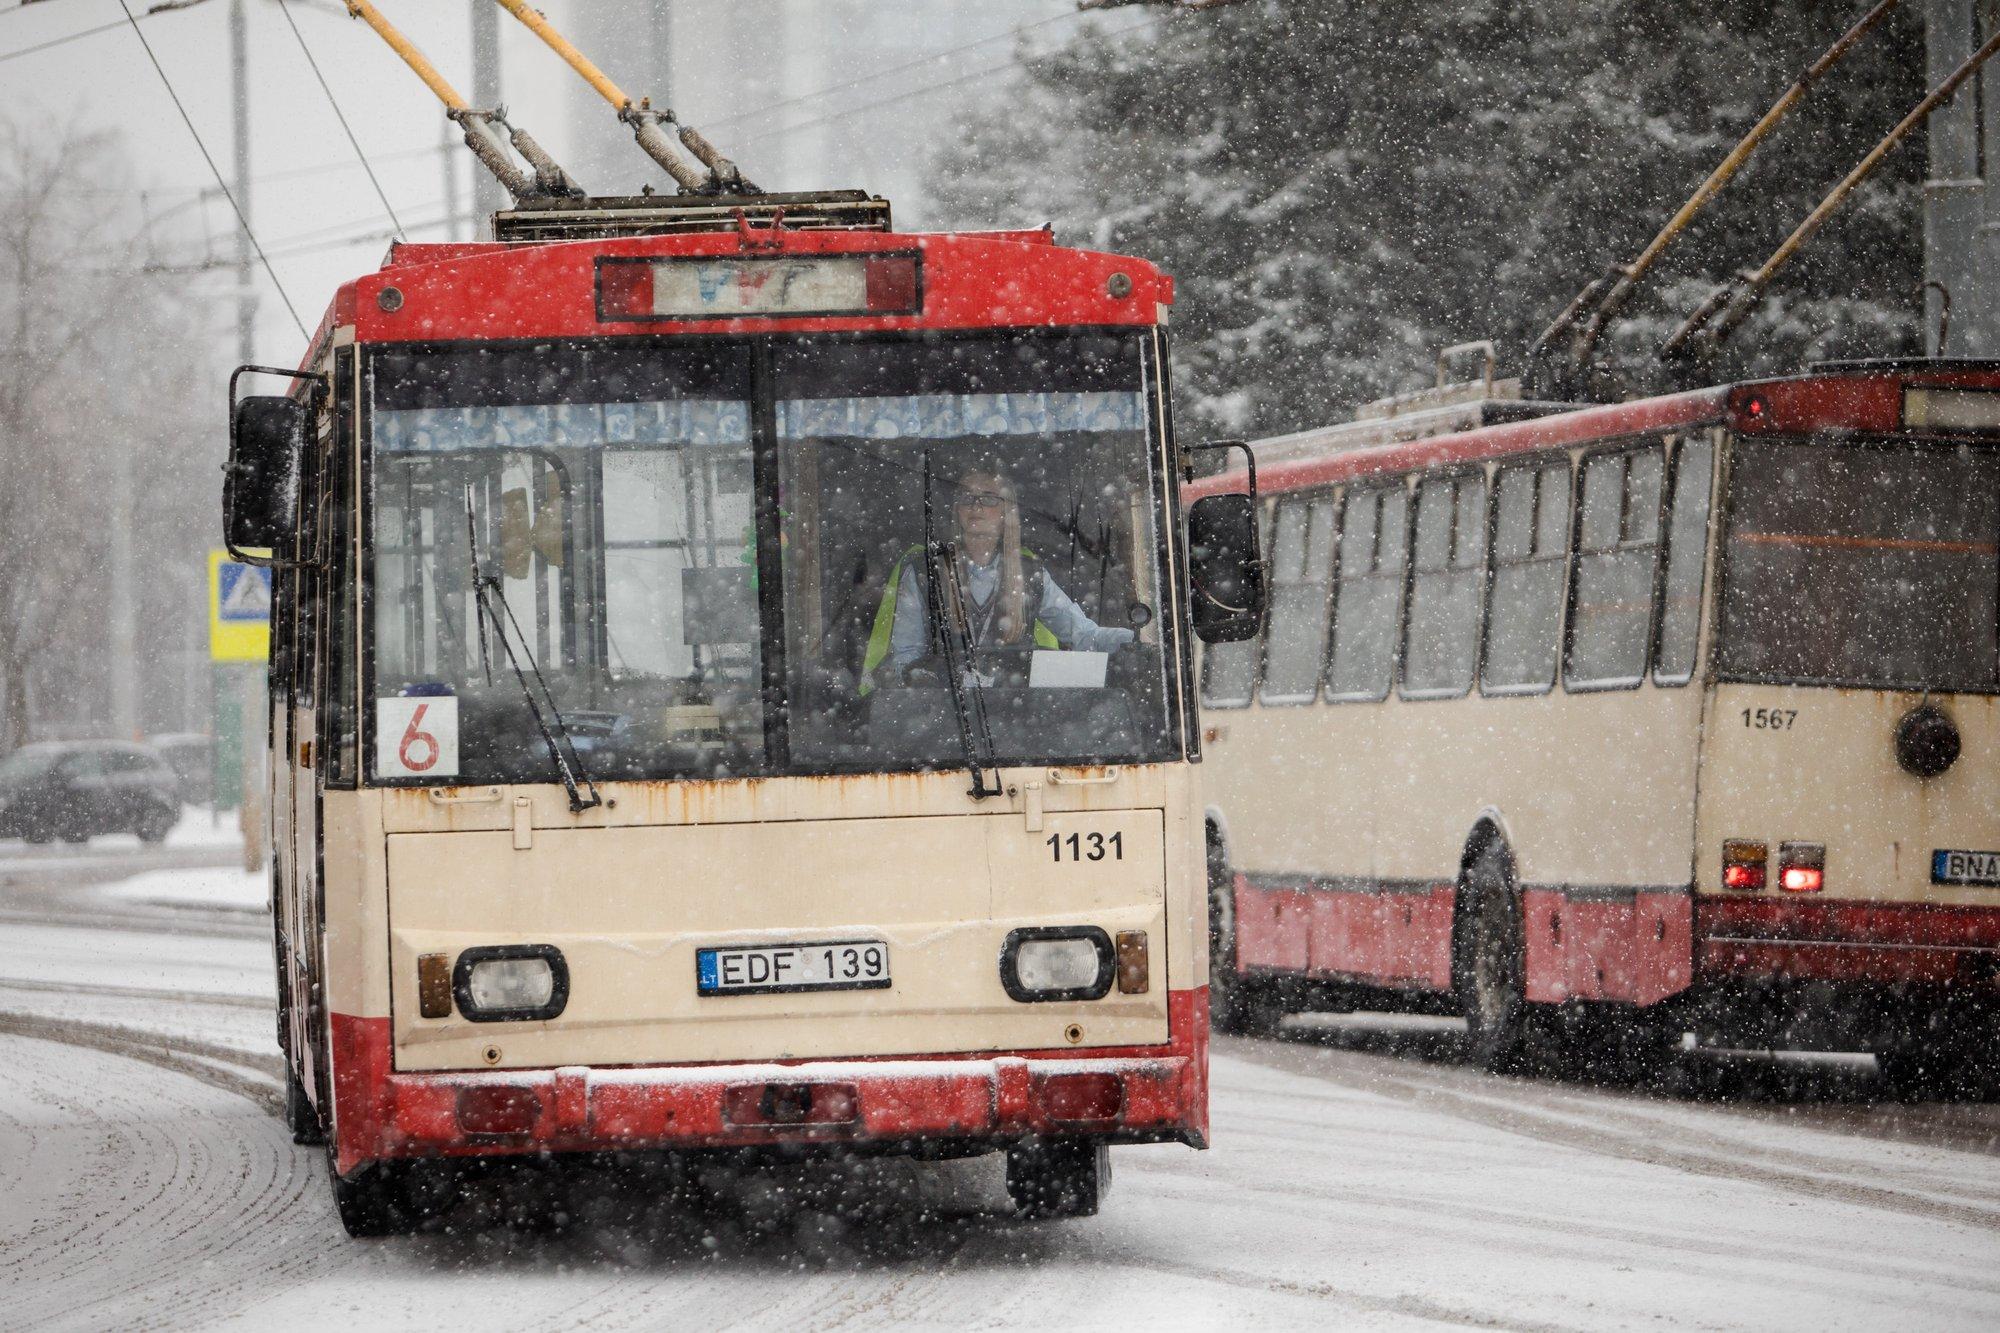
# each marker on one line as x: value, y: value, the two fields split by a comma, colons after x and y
x: 1801, y: 866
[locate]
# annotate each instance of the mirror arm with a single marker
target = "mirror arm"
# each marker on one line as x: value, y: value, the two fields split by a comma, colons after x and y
x: 1249, y: 459
x: 322, y: 384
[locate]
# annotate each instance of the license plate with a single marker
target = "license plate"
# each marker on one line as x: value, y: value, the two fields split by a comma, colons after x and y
x: 765, y: 969
x: 1950, y: 867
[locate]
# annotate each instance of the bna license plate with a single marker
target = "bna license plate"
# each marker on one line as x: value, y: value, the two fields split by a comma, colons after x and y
x: 1953, y: 867
x: 765, y: 969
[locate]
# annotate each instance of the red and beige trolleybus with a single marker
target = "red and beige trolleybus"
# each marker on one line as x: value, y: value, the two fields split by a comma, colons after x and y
x: 1679, y: 713
x: 651, y: 769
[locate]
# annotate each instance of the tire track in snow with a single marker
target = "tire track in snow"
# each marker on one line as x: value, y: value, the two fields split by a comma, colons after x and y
x: 213, y: 1063
x: 192, y: 1196
x: 1614, y: 1132
x: 220, y: 998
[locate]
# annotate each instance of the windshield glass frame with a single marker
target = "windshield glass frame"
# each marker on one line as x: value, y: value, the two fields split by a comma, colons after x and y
x: 1731, y: 577
x: 1175, y: 732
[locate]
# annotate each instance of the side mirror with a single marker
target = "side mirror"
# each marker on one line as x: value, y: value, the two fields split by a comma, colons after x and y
x: 1225, y: 568
x: 260, y: 489
x: 268, y: 442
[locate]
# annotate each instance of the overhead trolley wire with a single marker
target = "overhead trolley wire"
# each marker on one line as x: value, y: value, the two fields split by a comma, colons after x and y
x: 894, y: 70
x: 60, y: 41
x: 347, y: 129
x: 227, y: 193
x: 928, y: 88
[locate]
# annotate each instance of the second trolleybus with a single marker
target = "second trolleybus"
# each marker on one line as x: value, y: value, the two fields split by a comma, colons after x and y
x: 1678, y: 714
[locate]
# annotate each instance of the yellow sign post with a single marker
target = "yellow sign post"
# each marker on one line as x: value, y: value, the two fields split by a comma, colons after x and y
x: 239, y: 610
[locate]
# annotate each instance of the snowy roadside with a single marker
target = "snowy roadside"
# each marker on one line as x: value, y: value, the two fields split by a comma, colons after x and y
x: 227, y: 888
x: 216, y: 888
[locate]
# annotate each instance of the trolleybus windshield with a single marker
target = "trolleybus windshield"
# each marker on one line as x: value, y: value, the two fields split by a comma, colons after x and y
x: 1862, y: 564
x: 611, y: 494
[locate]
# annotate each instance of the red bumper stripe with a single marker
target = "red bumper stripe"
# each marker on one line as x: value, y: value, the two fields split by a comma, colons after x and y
x: 1846, y: 941
x: 1149, y: 1091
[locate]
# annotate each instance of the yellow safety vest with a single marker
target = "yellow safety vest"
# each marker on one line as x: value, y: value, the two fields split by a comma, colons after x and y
x: 885, y: 622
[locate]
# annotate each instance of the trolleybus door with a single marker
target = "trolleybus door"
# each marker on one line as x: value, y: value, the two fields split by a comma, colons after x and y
x: 299, y: 761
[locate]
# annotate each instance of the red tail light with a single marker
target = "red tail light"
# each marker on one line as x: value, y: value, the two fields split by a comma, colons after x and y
x: 1802, y: 867
x: 1743, y: 865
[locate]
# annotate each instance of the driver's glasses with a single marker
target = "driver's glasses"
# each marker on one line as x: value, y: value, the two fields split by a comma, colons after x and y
x: 977, y: 502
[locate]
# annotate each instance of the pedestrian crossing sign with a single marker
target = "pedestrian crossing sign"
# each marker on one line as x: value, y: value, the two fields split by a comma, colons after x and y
x: 239, y: 610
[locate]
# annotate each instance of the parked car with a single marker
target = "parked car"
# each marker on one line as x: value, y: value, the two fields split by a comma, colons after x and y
x: 192, y: 757
x: 74, y: 790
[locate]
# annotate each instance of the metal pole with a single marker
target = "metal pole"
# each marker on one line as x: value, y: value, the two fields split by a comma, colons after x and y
x: 454, y: 207
x: 488, y: 197
x: 239, y: 90
x: 252, y: 689
x: 120, y: 613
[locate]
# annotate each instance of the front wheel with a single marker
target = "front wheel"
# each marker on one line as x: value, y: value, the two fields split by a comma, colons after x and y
x: 1050, y: 1178
x: 1492, y: 972
x: 300, y: 1117
x: 372, y: 1204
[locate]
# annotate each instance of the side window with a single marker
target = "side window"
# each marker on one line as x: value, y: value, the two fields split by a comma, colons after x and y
x: 1301, y: 579
x: 81, y: 766
x: 1441, y: 642
x: 1611, y: 585
x: 1229, y: 670
x: 128, y: 761
x: 1368, y: 598
x: 1530, y: 550
x: 1687, y: 552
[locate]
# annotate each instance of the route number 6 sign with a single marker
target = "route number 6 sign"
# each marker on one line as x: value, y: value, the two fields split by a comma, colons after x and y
x: 416, y: 738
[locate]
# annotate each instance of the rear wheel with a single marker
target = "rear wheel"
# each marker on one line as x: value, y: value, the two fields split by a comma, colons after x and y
x: 1492, y: 972
x: 1939, y: 1073
x: 1049, y: 1178
x: 155, y: 825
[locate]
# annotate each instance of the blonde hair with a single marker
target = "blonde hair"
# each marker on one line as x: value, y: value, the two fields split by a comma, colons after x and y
x: 1009, y: 622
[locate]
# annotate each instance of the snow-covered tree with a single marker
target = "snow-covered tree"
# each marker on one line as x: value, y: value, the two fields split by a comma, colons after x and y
x: 1342, y: 187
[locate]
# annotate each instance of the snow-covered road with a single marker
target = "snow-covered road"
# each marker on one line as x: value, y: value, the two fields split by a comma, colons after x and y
x: 1359, y: 1177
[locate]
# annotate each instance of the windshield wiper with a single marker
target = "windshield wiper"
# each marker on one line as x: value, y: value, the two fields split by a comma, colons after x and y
x: 569, y: 764
x: 949, y: 632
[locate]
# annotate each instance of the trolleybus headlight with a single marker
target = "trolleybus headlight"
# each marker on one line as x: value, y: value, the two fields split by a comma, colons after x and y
x: 1057, y: 963
x: 509, y: 982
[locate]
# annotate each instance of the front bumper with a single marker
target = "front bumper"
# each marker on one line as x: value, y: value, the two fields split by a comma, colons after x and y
x: 1145, y: 1094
